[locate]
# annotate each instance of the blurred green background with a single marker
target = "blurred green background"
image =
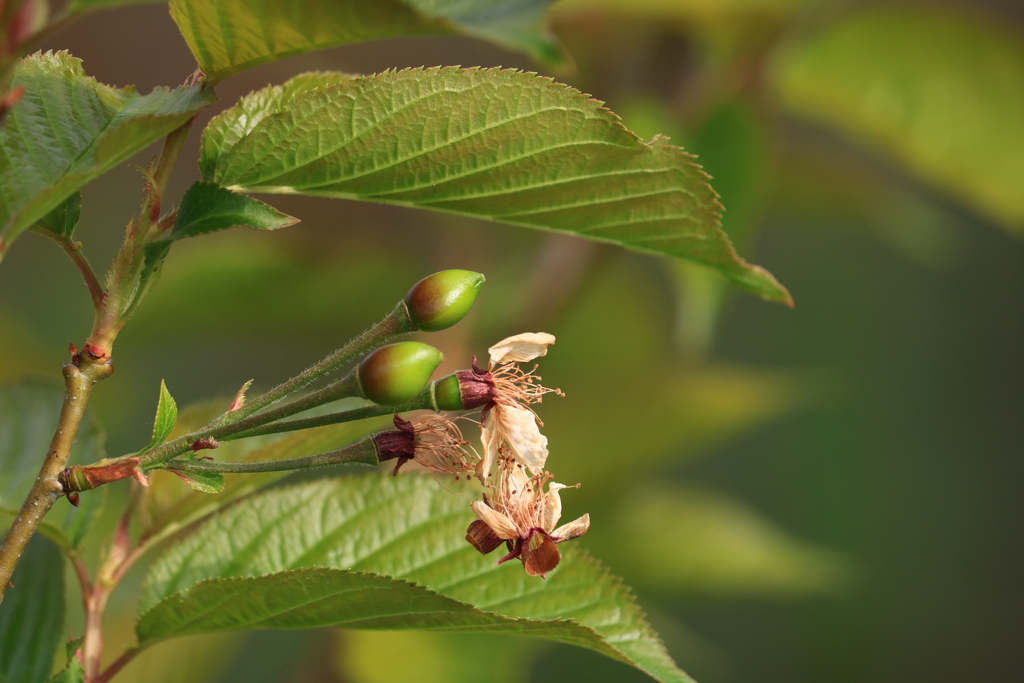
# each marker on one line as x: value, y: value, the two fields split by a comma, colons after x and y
x: 830, y: 493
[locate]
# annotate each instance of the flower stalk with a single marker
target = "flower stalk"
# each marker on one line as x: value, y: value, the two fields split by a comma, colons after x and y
x: 362, y: 452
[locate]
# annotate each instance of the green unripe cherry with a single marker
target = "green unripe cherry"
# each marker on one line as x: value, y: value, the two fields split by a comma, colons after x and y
x: 447, y: 393
x: 397, y: 373
x: 442, y: 299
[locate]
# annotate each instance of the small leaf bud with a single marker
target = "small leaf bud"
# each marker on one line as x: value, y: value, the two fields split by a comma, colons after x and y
x: 397, y: 373
x: 442, y: 299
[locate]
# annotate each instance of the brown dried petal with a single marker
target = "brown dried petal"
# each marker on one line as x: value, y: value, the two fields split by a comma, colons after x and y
x: 540, y: 555
x: 482, y: 537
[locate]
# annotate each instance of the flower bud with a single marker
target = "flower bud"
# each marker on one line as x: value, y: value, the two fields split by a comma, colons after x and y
x: 397, y: 373
x: 442, y: 299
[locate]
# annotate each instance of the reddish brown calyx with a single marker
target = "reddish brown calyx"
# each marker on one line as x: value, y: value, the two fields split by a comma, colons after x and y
x: 205, y: 443
x: 79, y: 478
x: 476, y: 387
x: 399, y: 444
x: 537, y: 551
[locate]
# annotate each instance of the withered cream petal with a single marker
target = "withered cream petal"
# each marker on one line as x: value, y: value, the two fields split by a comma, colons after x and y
x: 501, y: 524
x: 490, y: 439
x: 552, y: 505
x: 573, y: 529
x: 518, y: 428
x: 521, y: 348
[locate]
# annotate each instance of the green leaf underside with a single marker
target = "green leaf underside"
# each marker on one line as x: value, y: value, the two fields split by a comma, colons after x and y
x: 208, y: 207
x: 32, y: 618
x: 407, y: 527
x: 63, y: 219
x: 227, y: 128
x: 166, y: 416
x: 228, y: 36
x: 940, y: 90
x: 29, y: 412
x: 206, y: 482
x: 68, y: 129
x: 497, y: 144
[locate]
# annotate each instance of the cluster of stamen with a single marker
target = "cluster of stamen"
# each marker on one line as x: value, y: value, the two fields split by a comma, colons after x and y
x: 441, y: 447
x: 515, y: 386
x: 518, y: 496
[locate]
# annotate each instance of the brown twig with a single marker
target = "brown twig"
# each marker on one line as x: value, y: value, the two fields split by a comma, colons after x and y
x: 47, y: 488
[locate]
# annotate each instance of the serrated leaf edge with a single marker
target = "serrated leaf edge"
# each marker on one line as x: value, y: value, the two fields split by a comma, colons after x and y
x: 181, y: 595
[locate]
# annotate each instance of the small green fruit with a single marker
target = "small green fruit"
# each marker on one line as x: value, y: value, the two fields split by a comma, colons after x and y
x: 397, y: 373
x: 448, y: 394
x: 442, y: 299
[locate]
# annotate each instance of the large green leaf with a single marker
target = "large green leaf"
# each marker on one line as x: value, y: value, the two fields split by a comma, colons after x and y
x: 497, y: 144
x: 68, y: 129
x: 281, y: 559
x: 938, y: 89
x: 228, y: 36
x: 29, y: 412
x: 32, y: 615
x: 227, y: 128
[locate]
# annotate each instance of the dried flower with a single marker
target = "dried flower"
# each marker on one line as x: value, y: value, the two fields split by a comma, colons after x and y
x: 435, y: 442
x: 505, y: 391
x: 522, y: 513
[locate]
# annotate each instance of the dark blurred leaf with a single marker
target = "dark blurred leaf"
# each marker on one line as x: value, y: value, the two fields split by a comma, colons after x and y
x: 32, y: 616
x: 63, y: 219
x: 407, y: 527
x: 632, y: 405
x: 937, y: 88
x: 218, y: 279
x: 29, y: 412
x: 514, y: 147
x: 207, y: 207
x: 228, y: 36
x: 433, y: 657
x: 685, y: 539
x: 705, y: 11
x: 732, y: 146
x: 76, y: 6
x: 68, y: 129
